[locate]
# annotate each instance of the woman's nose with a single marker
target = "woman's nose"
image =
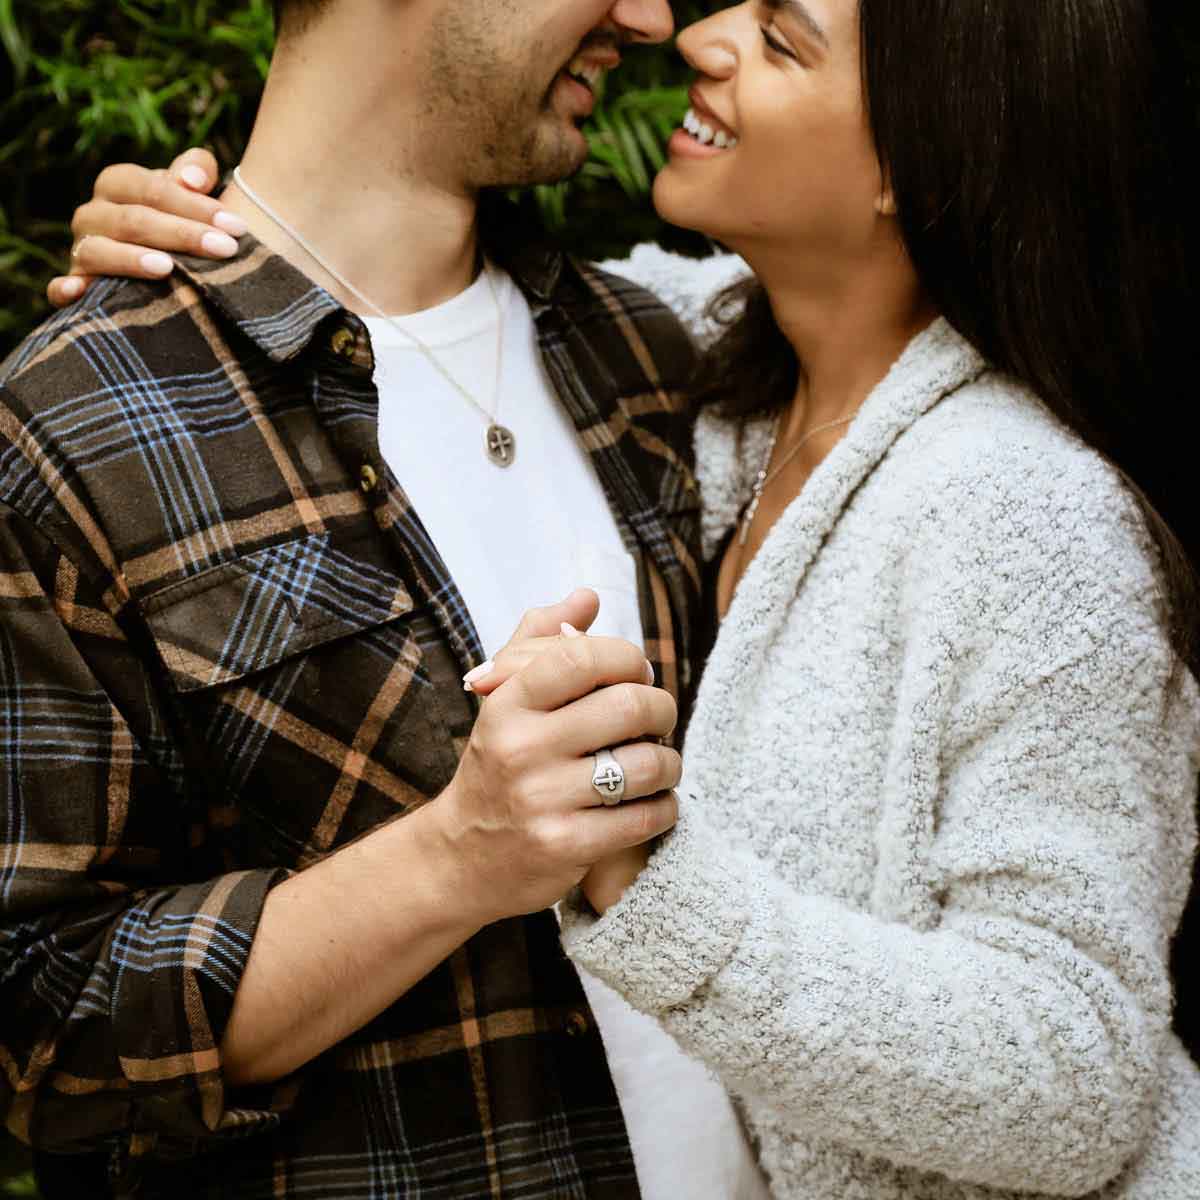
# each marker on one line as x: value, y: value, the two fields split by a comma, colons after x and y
x: 709, y: 47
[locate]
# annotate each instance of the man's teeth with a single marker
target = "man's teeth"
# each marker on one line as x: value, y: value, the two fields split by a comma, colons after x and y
x: 706, y: 134
x: 581, y: 69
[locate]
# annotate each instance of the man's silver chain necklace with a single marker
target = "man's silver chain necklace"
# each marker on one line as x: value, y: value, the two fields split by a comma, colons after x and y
x: 499, y: 444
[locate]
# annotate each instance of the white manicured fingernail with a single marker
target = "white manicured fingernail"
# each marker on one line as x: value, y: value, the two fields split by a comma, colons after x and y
x: 194, y: 177
x: 157, y: 264
x: 649, y: 673
x: 72, y: 288
x: 231, y: 223
x: 569, y: 630
x: 474, y: 676
x: 220, y: 245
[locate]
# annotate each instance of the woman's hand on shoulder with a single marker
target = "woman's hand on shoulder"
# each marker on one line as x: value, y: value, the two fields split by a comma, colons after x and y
x: 137, y: 217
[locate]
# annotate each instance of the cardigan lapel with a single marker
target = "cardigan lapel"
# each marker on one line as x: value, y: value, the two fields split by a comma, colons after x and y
x: 937, y: 362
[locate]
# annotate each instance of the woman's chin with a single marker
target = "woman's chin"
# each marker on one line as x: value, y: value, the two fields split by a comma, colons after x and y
x: 678, y: 204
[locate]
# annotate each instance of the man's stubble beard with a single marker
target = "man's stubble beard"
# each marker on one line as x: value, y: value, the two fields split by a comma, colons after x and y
x: 501, y: 135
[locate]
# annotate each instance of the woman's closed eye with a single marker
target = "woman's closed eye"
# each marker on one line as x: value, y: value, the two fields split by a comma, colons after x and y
x: 775, y: 45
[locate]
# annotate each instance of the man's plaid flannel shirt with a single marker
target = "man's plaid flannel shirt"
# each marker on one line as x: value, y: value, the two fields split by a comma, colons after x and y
x: 227, y: 647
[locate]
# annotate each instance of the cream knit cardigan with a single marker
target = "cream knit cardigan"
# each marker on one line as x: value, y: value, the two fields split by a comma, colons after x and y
x: 937, y: 817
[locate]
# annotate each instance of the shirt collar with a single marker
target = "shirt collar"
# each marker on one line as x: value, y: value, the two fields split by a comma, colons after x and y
x: 279, y: 308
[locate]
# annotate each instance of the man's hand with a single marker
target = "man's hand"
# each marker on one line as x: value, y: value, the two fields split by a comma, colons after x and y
x: 607, y: 879
x: 136, y: 217
x: 521, y: 816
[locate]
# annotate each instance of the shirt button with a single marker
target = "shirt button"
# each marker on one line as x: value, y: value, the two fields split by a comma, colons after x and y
x: 577, y: 1023
x: 343, y: 342
x: 367, y: 478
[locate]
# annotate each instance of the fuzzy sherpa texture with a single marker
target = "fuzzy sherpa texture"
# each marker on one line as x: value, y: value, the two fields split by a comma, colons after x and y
x: 937, y: 817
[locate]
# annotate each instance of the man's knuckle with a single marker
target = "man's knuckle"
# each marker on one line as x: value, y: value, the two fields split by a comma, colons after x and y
x: 644, y: 766
x: 671, y: 811
x: 673, y: 768
x: 631, y: 703
x: 645, y: 821
x: 552, y: 839
x: 579, y: 655
x: 511, y: 752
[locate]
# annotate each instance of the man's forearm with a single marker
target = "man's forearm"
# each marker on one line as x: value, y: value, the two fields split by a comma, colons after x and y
x: 339, y: 942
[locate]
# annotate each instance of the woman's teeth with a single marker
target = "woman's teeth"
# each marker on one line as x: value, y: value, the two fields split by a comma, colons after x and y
x: 706, y: 134
x: 585, y: 72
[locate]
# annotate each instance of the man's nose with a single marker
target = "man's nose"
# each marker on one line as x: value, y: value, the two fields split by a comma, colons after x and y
x: 644, y: 20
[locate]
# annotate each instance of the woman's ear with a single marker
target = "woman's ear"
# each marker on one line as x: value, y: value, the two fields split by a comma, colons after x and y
x: 885, y: 202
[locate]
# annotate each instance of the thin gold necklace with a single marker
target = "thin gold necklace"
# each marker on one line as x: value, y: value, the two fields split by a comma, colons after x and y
x: 766, y: 477
x: 499, y: 443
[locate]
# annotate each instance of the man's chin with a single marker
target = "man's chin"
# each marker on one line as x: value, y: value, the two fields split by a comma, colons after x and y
x: 554, y: 156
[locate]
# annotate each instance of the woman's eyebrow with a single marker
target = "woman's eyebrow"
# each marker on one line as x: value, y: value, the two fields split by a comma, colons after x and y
x: 799, y: 13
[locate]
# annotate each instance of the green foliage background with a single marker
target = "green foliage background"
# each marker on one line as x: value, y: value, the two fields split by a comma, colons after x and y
x: 84, y: 83
x: 90, y: 82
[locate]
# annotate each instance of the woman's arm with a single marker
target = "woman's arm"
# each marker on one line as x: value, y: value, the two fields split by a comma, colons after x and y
x: 1012, y: 1036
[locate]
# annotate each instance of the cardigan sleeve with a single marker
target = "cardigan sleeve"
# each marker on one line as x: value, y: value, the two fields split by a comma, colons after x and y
x: 1012, y: 1041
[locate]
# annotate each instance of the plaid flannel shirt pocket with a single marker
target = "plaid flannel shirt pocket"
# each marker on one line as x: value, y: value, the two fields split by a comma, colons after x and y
x: 247, y: 615
x: 294, y: 669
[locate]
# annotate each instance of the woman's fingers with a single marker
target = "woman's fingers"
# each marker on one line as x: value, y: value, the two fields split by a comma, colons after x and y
x: 197, y: 168
x: 488, y: 676
x: 127, y: 183
x: 147, y: 229
x: 139, y: 216
x: 66, y: 289
x: 96, y: 254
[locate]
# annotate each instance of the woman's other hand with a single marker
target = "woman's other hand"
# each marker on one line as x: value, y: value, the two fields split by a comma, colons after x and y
x: 137, y: 217
x: 606, y: 882
x: 539, y: 630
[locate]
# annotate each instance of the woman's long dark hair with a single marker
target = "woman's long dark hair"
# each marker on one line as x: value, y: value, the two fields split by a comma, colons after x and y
x: 1041, y: 159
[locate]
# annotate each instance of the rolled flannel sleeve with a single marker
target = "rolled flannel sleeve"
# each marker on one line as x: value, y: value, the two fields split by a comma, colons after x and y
x: 119, y: 954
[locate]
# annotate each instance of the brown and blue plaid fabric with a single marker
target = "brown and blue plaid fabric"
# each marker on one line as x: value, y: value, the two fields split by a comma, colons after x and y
x: 225, y: 652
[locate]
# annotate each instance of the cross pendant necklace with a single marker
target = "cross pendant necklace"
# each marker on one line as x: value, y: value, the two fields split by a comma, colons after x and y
x: 499, y: 442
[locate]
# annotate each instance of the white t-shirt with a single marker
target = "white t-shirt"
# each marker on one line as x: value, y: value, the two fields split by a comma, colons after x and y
x: 512, y: 539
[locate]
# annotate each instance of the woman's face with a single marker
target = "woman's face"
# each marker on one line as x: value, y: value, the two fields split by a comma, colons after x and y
x: 781, y: 80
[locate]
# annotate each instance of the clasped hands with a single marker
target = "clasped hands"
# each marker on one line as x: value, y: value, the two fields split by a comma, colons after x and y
x: 521, y: 814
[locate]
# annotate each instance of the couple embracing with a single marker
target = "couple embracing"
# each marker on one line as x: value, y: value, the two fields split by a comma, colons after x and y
x: 281, y: 909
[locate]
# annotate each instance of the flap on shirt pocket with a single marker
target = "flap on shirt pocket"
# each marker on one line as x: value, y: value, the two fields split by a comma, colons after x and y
x: 253, y: 612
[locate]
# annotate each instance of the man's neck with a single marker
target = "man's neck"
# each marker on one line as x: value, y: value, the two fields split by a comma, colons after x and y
x: 336, y: 168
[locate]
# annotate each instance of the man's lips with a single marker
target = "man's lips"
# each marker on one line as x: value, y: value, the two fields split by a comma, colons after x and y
x: 589, y: 67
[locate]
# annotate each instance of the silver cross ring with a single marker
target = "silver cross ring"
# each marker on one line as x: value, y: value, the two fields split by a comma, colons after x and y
x: 608, y: 778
